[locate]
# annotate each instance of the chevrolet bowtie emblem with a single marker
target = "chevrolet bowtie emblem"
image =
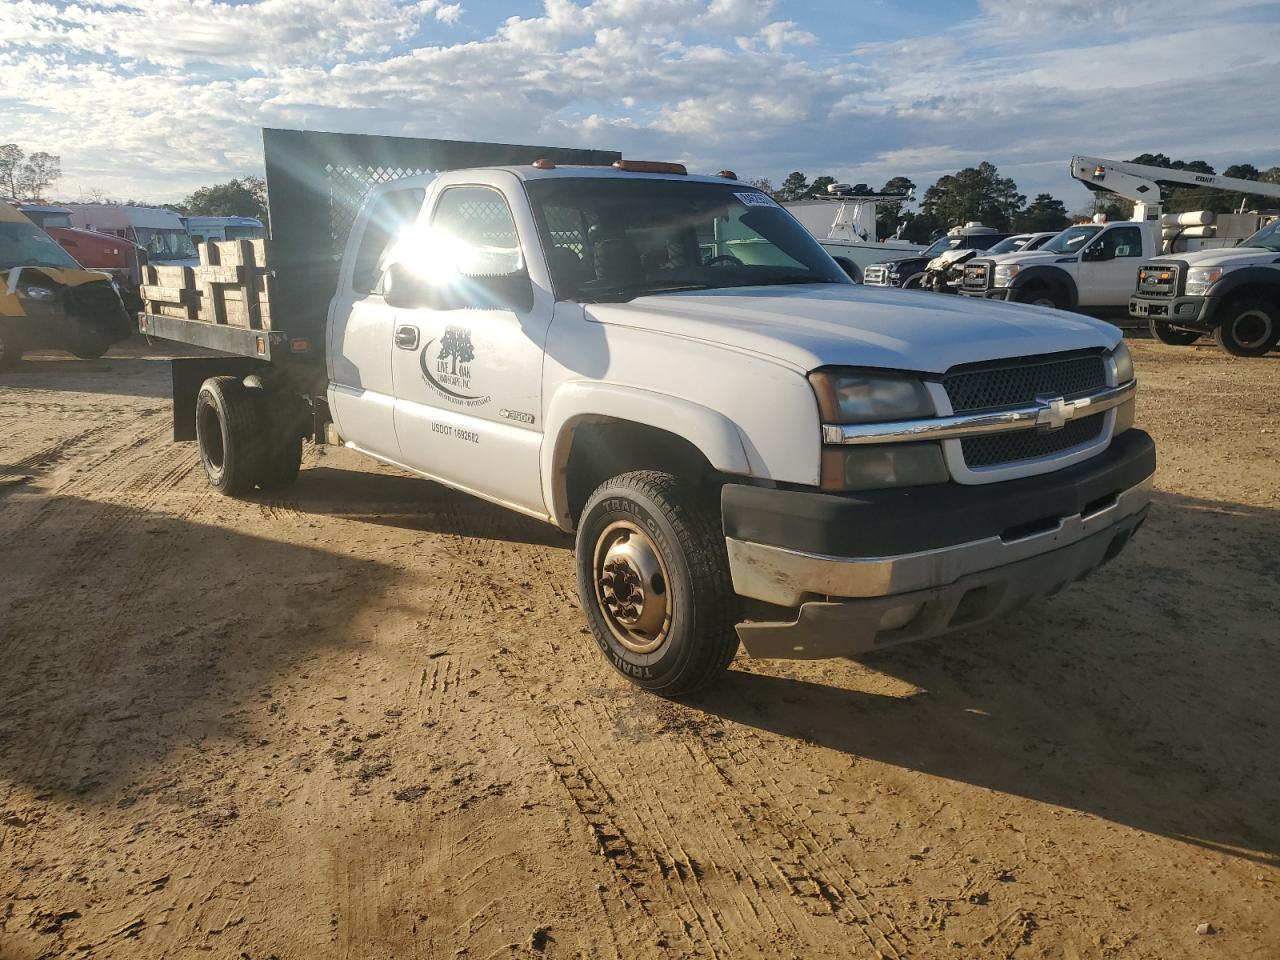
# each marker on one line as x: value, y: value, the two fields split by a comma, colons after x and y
x: 1054, y: 413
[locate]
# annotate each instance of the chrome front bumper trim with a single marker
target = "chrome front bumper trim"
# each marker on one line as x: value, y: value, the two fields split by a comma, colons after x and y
x: 1048, y: 414
x: 787, y: 577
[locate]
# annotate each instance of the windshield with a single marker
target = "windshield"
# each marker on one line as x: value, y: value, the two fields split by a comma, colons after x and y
x: 165, y: 243
x: 244, y: 233
x: 25, y: 245
x: 940, y: 245
x: 1268, y: 237
x: 1008, y: 245
x: 619, y: 238
x: 1071, y: 239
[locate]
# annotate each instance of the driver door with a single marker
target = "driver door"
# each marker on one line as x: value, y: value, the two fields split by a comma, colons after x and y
x: 468, y: 379
x: 1110, y: 280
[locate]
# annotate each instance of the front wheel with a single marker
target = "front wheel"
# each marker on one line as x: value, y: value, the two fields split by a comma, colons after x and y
x: 1249, y: 328
x: 1039, y: 296
x: 653, y: 578
x: 1173, y: 336
x: 91, y: 348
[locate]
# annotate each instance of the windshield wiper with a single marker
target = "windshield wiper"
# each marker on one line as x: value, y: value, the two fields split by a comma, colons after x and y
x: 794, y: 278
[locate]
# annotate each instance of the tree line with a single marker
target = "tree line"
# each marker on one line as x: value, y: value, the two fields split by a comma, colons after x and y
x: 26, y: 176
x: 981, y: 193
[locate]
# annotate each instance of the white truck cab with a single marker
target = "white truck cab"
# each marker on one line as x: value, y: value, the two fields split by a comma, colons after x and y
x: 745, y: 445
x: 1090, y: 267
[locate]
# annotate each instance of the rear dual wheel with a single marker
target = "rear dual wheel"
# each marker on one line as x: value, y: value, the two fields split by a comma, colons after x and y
x: 242, y: 442
x: 653, y: 577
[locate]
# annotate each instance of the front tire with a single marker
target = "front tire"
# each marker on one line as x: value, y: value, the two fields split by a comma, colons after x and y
x: 653, y: 578
x: 229, y: 435
x: 1250, y: 328
x: 1039, y: 296
x: 1165, y: 333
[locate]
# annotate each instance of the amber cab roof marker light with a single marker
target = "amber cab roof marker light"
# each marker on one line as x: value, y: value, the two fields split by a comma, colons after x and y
x: 649, y: 166
x: 727, y: 175
x: 544, y: 164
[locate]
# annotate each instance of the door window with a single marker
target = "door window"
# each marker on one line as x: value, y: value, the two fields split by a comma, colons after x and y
x: 475, y: 226
x: 1121, y: 242
x: 390, y: 214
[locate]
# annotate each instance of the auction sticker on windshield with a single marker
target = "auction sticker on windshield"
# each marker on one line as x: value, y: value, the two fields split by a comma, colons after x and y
x: 754, y: 199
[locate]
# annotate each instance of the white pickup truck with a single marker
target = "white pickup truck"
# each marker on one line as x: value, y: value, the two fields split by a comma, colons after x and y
x: 746, y: 445
x: 1090, y: 268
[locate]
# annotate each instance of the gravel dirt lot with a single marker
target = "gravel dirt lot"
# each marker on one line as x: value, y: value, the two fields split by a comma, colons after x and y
x: 364, y: 720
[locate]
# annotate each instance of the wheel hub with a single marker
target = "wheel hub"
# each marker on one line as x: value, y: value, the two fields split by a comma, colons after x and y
x: 631, y: 585
x: 1252, y: 328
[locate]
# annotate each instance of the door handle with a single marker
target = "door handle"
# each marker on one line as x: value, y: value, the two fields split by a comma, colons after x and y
x: 407, y: 337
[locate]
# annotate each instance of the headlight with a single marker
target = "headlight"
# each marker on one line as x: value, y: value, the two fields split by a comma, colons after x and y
x: 1200, y: 279
x: 1005, y: 272
x: 37, y: 293
x: 854, y: 397
x: 882, y: 465
x: 1124, y: 363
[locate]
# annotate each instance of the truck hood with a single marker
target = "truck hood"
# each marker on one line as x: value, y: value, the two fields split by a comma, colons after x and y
x: 1227, y: 257
x: 814, y: 325
x: 1026, y: 259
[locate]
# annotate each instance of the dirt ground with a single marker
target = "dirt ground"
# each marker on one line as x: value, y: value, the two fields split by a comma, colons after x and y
x: 364, y: 720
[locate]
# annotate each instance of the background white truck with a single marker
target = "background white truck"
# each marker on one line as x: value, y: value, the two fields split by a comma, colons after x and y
x: 1233, y: 293
x: 1093, y: 268
x: 745, y: 444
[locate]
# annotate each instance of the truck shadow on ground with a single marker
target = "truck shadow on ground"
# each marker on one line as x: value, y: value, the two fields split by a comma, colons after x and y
x: 376, y: 495
x: 109, y: 376
x: 129, y: 638
x: 1144, y: 696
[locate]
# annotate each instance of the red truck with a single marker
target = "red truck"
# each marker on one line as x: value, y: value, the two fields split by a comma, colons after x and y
x: 116, y: 256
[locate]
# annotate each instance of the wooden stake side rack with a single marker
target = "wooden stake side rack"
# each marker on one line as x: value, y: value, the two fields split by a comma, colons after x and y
x: 233, y: 286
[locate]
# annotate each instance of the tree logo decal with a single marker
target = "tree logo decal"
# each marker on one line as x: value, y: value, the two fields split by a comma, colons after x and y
x: 446, y: 366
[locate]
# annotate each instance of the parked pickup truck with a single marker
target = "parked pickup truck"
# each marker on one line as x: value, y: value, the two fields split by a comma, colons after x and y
x: 1090, y: 268
x: 1233, y: 293
x: 746, y: 445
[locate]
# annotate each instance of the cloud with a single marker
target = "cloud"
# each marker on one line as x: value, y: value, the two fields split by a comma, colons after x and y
x: 153, y: 99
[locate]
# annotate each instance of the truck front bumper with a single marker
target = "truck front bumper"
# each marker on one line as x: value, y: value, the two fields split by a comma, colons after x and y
x: 1193, y: 312
x: 992, y: 293
x: 863, y: 572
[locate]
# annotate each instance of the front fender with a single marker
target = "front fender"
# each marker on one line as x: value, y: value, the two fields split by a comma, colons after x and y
x: 579, y: 402
x: 1055, y: 277
x: 1265, y: 278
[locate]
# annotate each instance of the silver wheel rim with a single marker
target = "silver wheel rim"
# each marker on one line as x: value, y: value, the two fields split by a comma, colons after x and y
x: 1250, y: 322
x: 632, y: 587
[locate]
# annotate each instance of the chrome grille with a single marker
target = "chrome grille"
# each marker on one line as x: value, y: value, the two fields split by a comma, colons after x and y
x: 1157, y: 280
x: 876, y: 275
x: 1018, y: 384
x: 977, y: 276
x: 1002, y: 448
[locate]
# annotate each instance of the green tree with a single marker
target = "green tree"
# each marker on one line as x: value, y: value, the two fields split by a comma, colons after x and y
x: 38, y: 171
x: 762, y: 183
x: 974, y: 193
x: 889, y: 215
x: 10, y: 162
x: 819, y: 186
x: 1045, y: 212
x: 794, y: 187
x: 244, y: 197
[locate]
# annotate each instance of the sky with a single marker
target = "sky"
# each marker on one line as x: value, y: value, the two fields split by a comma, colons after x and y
x: 149, y: 99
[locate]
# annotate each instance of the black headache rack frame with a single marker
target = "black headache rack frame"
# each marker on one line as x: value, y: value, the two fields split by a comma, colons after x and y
x: 316, y: 184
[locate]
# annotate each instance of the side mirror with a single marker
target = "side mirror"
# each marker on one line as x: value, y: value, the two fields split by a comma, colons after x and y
x: 1095, y: 253
x: 849, y: 267
x: 404, y: 288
